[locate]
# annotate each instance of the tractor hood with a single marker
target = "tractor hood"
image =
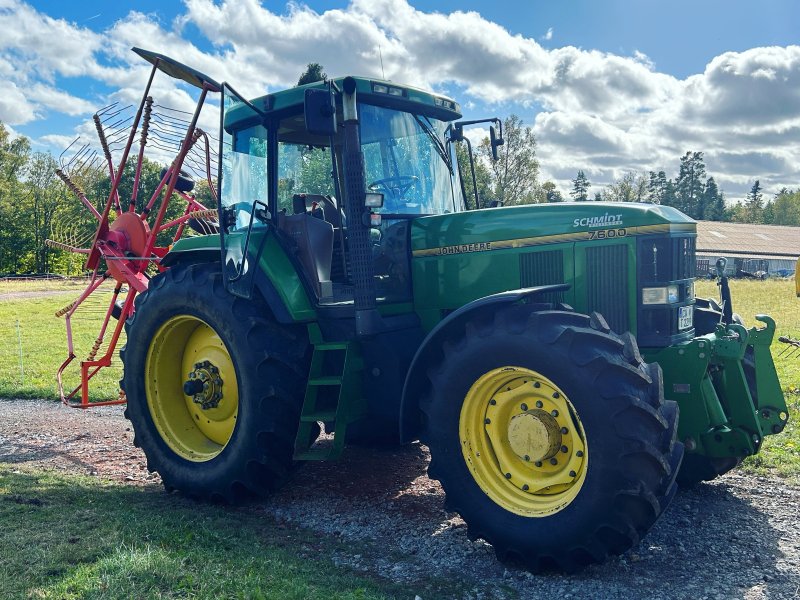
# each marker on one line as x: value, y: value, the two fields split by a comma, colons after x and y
x: 493, y: 229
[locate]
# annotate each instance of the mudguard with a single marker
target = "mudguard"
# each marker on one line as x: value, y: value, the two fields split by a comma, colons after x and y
x: 416, y: 377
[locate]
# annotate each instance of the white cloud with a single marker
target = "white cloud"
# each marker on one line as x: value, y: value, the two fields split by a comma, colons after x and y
x: 599, y: 112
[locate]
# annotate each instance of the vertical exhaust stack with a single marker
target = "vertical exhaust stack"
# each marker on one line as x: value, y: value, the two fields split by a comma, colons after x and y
x: 368, y: 320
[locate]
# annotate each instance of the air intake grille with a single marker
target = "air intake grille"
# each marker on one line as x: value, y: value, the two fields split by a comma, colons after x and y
x: 607, y: 284
x: 542, y: 268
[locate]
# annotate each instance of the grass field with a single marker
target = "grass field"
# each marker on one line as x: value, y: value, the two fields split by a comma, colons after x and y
x: 29, y: 325
x: 33, y: 340
x: 66, y: 537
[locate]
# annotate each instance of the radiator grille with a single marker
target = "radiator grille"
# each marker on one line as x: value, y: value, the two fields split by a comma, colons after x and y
x: 607, y: 284
x: 542, y: 268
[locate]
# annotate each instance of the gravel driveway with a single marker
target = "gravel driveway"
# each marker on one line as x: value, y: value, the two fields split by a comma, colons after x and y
x: 735, y: 538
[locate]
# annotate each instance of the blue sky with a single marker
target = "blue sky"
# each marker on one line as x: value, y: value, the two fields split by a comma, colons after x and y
x: 608, y: 87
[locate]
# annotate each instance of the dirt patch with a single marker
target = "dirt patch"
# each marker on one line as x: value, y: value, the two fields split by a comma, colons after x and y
x: 734, y: 538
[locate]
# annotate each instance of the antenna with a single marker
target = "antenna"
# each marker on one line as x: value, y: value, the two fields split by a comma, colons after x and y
x: 383, y: 75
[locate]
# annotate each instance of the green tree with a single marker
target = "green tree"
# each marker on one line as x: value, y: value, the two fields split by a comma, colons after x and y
x: 483, y: 177
x: 785, y: 208
x: 713, y: 201
x: 656, y: 187
x: 631, y: 187
x: 15, y: 239
x: 580, y: 187
x: 515, y: 173
x: 690, y: 185
x: 46, y: 194
x: 312, y: 74
x: 551, y: 194
x: 754, y: 204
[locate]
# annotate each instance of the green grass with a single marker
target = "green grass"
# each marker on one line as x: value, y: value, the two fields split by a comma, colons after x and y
x: 38, y: 285
x: 73, y: 537
x: 780, y: 453
x: 42, y: 338
x: 29, y: 325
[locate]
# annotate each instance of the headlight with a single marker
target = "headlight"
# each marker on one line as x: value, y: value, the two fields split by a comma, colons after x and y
x: 690, y: 290
x: 660, y: 295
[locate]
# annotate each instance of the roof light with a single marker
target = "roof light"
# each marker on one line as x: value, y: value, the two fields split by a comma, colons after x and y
x: 380, y: 88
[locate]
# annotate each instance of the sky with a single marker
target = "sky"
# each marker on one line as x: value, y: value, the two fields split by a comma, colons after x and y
x: 607, y: 87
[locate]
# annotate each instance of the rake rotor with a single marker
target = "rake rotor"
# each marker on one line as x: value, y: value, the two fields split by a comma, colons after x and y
x: 122, y: 236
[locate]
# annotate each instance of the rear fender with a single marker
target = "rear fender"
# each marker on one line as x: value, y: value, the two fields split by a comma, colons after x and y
x: 429, y: 351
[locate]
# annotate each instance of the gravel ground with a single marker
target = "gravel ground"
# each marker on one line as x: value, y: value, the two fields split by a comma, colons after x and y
x: 735, y: 538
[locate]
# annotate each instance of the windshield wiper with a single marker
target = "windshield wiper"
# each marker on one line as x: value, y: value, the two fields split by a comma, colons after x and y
x: 437, y: 143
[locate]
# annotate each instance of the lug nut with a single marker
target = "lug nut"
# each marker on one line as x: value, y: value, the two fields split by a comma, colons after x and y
x: 539, y: 404
x: 487, y: 421
x: 572, y: 473
x: 536, y: 384
x: 555, y: 395
x: 554, y: 413
x: 553, y: 461
x: 564, y: 431
x: 525, y: 487
x: 564, y: 449
x: 538, y: 463
x: 579, y: 453
x: 524, y: 407
x: 527, y: 457
x: 508, y: 475
x: 492, y: 402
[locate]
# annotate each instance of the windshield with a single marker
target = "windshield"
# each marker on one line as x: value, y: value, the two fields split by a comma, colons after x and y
x: 407, y: 160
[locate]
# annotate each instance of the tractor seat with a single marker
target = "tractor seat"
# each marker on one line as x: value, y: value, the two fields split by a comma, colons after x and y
x: 313, y: 241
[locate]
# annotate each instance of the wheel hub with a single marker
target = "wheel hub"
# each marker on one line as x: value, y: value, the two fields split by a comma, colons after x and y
x: 204, y: 385
x: 523, y: 441
x: 534, y: 435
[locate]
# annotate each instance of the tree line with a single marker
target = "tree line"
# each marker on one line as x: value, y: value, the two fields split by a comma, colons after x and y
x: 514, y: 179
x: 35, y: 205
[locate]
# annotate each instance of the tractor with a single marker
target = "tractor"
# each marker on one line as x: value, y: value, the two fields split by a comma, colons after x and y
x: 553, y: 357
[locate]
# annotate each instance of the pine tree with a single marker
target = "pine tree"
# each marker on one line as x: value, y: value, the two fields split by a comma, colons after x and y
x: 754, y: 204
x: 580, y: 187
x: 690, y: 183
x: 656, y: 187
x: 714, y: 202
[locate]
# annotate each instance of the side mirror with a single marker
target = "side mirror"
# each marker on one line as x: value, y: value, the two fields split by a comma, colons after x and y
x: 320, y: 112
x: 495, y: 141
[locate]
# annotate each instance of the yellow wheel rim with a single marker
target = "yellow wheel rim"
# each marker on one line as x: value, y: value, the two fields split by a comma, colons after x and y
x: 196, y: 427
x: 523, y: 442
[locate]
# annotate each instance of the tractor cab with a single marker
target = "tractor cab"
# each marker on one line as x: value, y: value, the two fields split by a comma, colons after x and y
x: 280, y: 169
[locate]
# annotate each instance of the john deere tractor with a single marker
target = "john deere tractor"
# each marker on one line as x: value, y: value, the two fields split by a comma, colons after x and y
x: 553, y: 357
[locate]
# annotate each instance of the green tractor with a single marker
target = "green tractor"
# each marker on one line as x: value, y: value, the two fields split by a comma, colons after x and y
x: 541, y: 352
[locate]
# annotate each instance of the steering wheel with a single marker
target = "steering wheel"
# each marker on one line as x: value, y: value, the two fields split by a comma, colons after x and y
x: 395, y: 187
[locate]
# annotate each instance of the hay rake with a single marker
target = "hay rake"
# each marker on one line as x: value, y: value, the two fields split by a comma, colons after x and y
x: 120, y: 242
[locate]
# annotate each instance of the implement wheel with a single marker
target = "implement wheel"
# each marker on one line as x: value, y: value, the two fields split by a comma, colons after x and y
x: 551, y: 437
x: 214, y: 386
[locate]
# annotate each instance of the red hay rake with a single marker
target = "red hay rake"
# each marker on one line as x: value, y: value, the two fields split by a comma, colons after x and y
x: 124, y: 248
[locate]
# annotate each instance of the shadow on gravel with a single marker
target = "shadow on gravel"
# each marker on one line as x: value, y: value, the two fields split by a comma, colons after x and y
x: 715, y: 541
x: 22, y: 453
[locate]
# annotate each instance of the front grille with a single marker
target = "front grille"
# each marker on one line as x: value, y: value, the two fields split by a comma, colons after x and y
x: 542, y: 268
x: 607, y: 284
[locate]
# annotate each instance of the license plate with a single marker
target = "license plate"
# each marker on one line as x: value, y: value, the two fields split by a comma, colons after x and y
x: 685, y: 314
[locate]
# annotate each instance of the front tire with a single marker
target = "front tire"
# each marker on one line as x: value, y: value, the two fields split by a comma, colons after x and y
x: 214, y: 386
x: 550, y: 437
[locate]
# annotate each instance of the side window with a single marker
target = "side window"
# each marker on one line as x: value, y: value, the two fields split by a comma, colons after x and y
x: 244, y: 178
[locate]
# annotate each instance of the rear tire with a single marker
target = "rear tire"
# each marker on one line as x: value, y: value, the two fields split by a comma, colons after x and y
x: 617, y: 415
x: 187, y: 318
